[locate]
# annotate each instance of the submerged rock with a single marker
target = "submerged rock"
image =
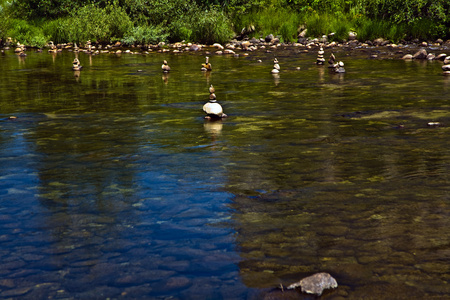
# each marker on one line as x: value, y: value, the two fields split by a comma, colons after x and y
x: 315, y: 284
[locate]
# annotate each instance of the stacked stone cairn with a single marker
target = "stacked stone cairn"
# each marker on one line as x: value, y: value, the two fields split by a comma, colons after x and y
x: 76, y: 66
x: 320, y: 59
x: 206, y: 66
x: 165, y: 67
x: 338, y: 67
x: 213, y: 109
x: 276, y: 67
x: 446, y: 66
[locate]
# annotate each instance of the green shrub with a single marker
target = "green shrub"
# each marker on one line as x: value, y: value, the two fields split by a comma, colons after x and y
x: 318, y: 25
x: 91, y: 22
x: 277, y: 21
x: 25, y: 33
x: 145, y: 35
x: 180, y: 31
x: 211, y: 26
x: 371, y: 29
x: 59, y: 30
x: 288, y: 32
x: 426, y: 29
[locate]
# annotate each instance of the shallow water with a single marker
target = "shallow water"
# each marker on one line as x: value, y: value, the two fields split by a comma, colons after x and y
x: 113, y: 186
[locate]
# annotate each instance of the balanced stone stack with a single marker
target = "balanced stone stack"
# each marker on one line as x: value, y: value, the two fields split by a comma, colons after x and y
x: 332, y: 61
x: 320, y: 59
x: 276, y: 67
x: 165, y: 67
x: 213, y: 109
x: 339, y: 67
x: 446, y: 69
x: 206, y: 66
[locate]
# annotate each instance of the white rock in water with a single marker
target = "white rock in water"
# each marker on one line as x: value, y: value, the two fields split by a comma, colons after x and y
x: 315, y: 284
x: 446, y: 67
x: 213, y: 109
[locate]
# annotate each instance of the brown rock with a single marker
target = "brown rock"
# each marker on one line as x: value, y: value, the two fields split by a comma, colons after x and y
x: 441, y: 56
x: 421, y: 54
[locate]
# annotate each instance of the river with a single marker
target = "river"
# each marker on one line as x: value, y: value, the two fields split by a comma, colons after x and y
x: 112, y: 184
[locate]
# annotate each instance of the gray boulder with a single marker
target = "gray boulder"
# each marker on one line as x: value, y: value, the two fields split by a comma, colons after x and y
x: 269, y: 38
x: 315, y: 284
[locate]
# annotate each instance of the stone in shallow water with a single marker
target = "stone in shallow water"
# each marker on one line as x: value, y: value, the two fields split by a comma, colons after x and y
x: 177, y: 282
x: 315, y: 284
x: 15, y: 292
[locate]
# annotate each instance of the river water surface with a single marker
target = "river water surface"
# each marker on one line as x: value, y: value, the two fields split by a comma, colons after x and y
x: 112, y: 185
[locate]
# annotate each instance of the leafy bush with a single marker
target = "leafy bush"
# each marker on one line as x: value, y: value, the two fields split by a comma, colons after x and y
x: 180, y: 30
x: 318, y: 25
x: 100, y: 24
x: 277, y: 21
x: 426, y: 29
x: 91, y: 22
x: 145, y: 35
x: 211, y: 26
x: 371, y: 29
x: 59, y: 30
x: 25, y: 33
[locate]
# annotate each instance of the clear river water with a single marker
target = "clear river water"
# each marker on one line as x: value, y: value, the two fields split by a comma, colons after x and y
x: 113, y: 186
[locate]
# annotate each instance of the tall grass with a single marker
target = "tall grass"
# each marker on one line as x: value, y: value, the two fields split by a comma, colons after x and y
x: 145, y: 34
x: 278, y: 21
x: 211, y: 26
x: 90, y: 22
x: 25, y: 33
x: 372, y: 29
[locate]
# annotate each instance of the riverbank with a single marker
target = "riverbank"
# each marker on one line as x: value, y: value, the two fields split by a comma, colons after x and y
x: 378, y: 48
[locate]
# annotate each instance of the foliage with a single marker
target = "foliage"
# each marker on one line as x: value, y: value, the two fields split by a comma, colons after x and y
x: 59, y: 30
x: 207, y: 21
x: 211, y: 26
x: 91, y: 22
x: 372, y: 29
x: 25, y: 33
x: 103, y: 25
x: 158, y: 12
x: 180, y: 30
x: 145, y: 35
x: 272, y: 20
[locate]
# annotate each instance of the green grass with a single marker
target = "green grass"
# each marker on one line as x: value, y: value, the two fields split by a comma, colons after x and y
x: 280, y: 21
